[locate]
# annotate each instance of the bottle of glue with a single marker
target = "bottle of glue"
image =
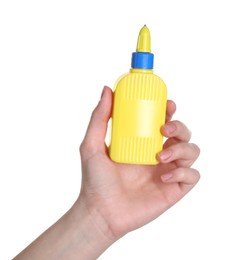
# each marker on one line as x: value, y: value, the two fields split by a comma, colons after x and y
x: 139, y: 109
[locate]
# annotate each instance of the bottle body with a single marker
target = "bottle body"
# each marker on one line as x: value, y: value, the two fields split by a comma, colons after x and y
x: 138, y: 114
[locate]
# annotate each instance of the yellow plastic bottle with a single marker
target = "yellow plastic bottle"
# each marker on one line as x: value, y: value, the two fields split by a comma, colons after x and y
x: 139, y: 109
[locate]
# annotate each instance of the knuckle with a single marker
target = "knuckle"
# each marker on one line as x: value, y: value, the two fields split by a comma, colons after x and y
x: 196, y: 149
x: 178, y: 123
x: 87, y: 149
x: 181, y: 174
x: 182, y: 130
x: 82, y: 148
x: 196, y: 175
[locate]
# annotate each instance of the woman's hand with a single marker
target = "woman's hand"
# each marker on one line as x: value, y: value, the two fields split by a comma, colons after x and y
x: 124, y: 197
x: 117, y: 198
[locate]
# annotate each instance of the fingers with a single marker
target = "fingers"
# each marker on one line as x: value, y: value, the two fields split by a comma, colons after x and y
x: 183, y: 154
x: 170, y: 110
x: 177, y: 149
x: 179, y: 152
x: 94, y: 139
x: 176, y: 129
x: 183, y: 175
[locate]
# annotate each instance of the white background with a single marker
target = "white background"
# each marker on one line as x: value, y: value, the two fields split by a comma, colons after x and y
x: 55, y: 57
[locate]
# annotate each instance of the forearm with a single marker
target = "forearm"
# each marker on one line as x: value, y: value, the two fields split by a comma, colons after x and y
x: 74, y: 236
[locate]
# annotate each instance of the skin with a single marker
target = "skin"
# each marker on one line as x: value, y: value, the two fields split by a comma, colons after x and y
x: 118, y: 198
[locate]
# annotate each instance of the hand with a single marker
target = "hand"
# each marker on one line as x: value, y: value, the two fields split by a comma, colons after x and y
x: 123, y: 197
x: 117, y: 198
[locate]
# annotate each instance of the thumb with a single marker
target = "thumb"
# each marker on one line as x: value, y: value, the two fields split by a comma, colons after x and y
x: 94, y: 139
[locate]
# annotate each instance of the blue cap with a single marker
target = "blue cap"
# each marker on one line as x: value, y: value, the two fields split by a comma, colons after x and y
x: 142, y: 60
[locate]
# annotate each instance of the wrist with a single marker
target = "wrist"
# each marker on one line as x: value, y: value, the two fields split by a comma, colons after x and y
x: 77, y: 235
x: 90, y: 230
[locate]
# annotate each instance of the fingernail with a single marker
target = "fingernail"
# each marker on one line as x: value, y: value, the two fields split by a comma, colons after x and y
x: 167, y: 176
x: 165, y: 155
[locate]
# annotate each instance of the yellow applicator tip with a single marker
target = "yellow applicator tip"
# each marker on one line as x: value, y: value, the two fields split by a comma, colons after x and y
x: 143, y: 58
x: 144, y: 40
